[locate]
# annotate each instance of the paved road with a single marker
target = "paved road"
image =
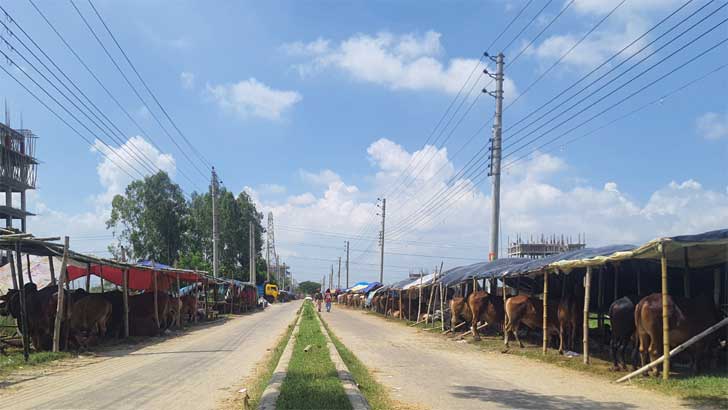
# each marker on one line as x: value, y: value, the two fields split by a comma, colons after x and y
x: 427, y: 371
x: 193, y: 371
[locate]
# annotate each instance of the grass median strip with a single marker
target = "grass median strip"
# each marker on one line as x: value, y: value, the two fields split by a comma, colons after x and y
x: 311, y: 381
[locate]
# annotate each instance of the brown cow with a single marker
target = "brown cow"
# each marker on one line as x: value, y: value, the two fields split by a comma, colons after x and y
x: 485, y: 308
x: 189, y: 307
x: 528, y: 311
x: 141, y: 313
x: 40, y: 311
x: 569, y: 314
x: 89, y: 317
x: 686, y: 318
x: 459, y: 312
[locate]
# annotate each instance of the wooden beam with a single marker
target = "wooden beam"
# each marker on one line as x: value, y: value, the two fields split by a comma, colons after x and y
x: 585, y: 324
x: 156, y: 298
x: 545, y: 311
x: 442, y: 307
x: 23, y: 307
x: 665, y: 318
x: 419, y: 301
x: 88, y: 277
x: 27, y: 262
x: 125, y: 299
x: 60, y: 302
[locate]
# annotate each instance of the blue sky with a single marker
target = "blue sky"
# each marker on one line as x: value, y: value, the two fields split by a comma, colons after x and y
x: 316, y: 107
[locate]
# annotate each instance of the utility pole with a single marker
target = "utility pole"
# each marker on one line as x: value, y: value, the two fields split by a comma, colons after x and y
x: 347, y: 264
x: 270, y: 244
x: 251, y: 259
x: 495, y: 153
x: 215, y: 228
x: 338, y: 276
x: 331, y: 277
x: 381, y: 242
x: 278, y: 272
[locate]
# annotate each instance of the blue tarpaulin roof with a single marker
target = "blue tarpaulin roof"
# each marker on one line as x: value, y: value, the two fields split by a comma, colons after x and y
x: 156, y: 264
x: 480, y: 270
x: 535, y: 265
x: 711, y: 236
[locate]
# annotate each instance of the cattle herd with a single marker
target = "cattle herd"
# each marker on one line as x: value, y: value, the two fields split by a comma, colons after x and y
x: 635, y: 323
x: 88, y: 318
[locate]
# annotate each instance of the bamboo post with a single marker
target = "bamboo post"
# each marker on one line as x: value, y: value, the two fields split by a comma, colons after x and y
x: 686, y: 274
x: 88, y: 277
x: 419, y: 301
x: 545, y: 310
x: 665, y: 318
x: 442, y: 307
x: 27, y: 262
x: 101, y: 272
x: 676, y: 350
x: 156, y: 297
x: 61, y: 297
x: 52, y: 269
x: 23, y: 307
x: 587, y: 296
x: 179, y: 304
x: 125, y: 298
x: 432, y: 295
x: 400, y: 304
x: 503, y: 290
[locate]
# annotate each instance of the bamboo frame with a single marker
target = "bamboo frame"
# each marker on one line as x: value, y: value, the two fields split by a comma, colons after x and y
x: 60, y: 302
x: 442, y: 306
x: 665, y: 318
x: 23, y: 307
x: 53, y: 270
x: 125, y: 299
x: 419, y: 301
x: 27, y: 263
x: 585, y: 319
x: 88, y: 277
x: 545, y: 311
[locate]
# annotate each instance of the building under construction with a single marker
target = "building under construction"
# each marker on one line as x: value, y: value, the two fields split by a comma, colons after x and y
x: 543, y: 245
x: 18, y: 172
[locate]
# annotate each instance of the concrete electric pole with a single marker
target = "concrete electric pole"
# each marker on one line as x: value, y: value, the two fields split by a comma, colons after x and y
x: 495, y: 155
x: 381, y: 241
x: 338, y: 275
x: 347, y: 264
x: 215, y: 228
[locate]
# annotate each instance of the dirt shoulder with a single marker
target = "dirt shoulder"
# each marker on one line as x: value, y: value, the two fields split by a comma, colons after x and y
x: 428, y: 371
x: 192, y: 371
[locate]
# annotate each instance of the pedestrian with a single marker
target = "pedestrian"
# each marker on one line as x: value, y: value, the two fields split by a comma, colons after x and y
x: 327, y: 299
x: 318, y: 298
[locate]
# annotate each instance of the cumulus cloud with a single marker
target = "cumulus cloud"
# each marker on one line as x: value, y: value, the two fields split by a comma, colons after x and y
x: 408, y: 61
x: 187, y: 79
x: 713, y: 126
x: 251, y: 98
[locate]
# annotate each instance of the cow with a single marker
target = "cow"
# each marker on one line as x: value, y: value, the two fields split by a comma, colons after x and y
x: 459, y: 312
x: 527, y: 310
x: 621, y: 317
x: 686, y: 318
x: 188, y: 308
x: 487, y: 308
x: 40, y: 313
x: 570, y: 312
x: 89, y: 319
x: 141, y: 313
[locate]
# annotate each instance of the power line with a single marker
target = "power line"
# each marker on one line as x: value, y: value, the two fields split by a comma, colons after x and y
x: 386, y: 252
x: 192, y: 147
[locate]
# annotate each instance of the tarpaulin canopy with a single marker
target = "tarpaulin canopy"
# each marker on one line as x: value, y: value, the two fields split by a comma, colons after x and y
x: 480, y: 270
x: 567, y: 260
x: 357, y: 287
x: 415, y: 283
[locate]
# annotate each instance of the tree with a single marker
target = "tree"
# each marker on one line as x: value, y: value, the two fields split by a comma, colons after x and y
x: 309, y: 287
x: 150, y: 219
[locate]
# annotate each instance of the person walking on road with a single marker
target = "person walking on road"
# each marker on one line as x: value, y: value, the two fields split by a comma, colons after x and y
x: 327, y: 299
x: 318, y: 298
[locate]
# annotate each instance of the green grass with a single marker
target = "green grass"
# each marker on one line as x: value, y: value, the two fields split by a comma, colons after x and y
x: 15, y: 360
x: 375, y: 393
x: 7, y: 321
x: 311, y: 381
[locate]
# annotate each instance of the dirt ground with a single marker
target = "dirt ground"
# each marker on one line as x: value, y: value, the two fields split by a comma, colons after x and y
x: 425, y: 370
x: 193, y: 371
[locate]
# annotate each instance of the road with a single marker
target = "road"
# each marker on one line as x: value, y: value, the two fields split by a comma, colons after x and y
x: 427, y: 371
x: 192, y: 371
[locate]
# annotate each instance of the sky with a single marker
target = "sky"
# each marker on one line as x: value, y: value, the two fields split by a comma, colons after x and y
x: 318, y: 108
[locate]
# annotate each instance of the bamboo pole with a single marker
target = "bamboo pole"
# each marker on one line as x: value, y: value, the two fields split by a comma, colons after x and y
x: 587, y: 296
x: 60, y: 302
x: 675, y: 351
x: 665, y: 318
x: 442, y: 307
x: 156, y: 297
x: 101, y: 273
x: 197, y: 299
x: 179, y: 304
x: 27, y: 262
x: 52, y: 269
x: 545, y: 310
x: 419, y: 301
x: 23, y: 307
x: 400, y: 305
x: 88, y: 277
x: 409, y: 306
x: 125, y: 299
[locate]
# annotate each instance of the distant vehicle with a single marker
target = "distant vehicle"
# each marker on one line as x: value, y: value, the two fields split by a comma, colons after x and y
x: 269, y: 291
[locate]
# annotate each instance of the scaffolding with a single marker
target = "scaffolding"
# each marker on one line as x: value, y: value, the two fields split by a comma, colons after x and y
x: 18, y: 172
x: 543, y: 246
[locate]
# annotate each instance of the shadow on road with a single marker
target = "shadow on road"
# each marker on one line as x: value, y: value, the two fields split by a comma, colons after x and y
x: 521, y: 399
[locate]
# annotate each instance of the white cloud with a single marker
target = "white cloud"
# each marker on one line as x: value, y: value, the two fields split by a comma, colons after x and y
x: 713, y: 126
x: 187, y: 79
x: 324, y: 177
x: 251, y: 98
x: 272, y: 189
x: 408, y: 61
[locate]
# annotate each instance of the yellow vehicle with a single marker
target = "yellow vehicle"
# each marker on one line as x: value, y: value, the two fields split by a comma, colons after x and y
x: 271, y: 292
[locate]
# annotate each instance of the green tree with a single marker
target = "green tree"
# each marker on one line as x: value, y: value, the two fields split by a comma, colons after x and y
x: 309, y: 287
x: 150, y: 219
